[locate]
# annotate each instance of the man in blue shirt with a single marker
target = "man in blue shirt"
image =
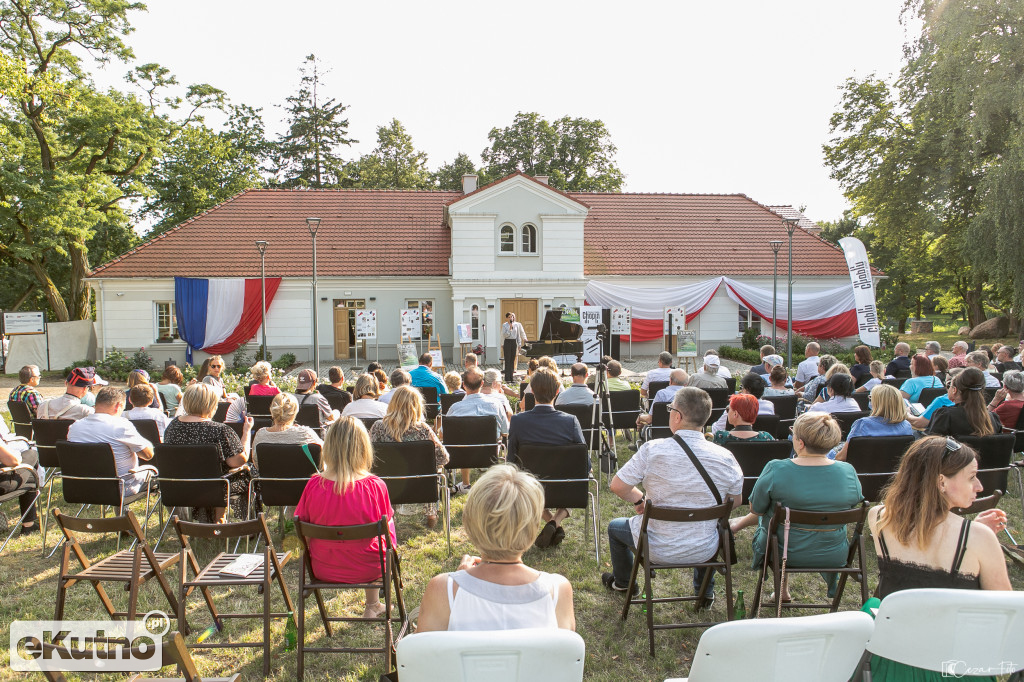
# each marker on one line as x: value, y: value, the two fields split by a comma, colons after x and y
x: 546, y: 426
x: 422, y: 376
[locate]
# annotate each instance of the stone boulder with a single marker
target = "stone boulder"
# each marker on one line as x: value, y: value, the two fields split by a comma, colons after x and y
x: 993, y: 328
x: 963, y: 331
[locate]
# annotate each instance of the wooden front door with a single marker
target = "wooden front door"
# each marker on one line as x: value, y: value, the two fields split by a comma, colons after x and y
x: 341, y: 332
x: 525, y: 310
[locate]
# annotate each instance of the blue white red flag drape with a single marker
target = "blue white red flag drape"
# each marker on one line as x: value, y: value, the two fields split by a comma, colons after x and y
x: 217, y: 316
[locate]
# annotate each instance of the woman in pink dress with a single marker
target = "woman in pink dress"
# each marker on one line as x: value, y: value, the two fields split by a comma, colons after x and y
x: 345, y: 493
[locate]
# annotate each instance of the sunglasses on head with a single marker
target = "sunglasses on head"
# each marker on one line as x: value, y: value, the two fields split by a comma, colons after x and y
x: 951, y: 446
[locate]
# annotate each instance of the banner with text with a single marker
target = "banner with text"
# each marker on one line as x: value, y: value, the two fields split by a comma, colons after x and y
x: 863, y: 290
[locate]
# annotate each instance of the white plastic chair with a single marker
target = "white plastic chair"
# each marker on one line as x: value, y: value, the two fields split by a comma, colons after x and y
x: 492, y: 656
x: 825, y: 648
x: 952, y: 631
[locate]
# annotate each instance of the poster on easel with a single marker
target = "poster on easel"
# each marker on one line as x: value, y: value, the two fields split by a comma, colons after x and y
x: 366, y: 324
x: 407, y: 355
x: 622, y: 320
x: 465, y: 333
x: 412, y: 323
x: 686, y: 343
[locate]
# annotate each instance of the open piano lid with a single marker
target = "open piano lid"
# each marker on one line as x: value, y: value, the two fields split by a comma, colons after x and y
x: 554, y: 329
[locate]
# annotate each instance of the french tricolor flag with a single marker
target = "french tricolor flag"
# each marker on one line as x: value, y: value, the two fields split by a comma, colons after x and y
x: 217, y: 316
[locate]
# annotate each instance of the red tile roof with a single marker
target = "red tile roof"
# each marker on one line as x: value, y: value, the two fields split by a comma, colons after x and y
x: 363, y: 233
x: 367, y: 233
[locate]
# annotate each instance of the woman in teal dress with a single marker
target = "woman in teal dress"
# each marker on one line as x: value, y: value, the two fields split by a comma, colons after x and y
x: 741, y: 413
x: 813, y: 482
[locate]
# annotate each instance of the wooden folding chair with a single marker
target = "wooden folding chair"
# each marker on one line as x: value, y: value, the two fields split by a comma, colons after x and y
x: 391, y: 579
x: 211, y: 577
x: 720, y: 561
x: 132, y: 567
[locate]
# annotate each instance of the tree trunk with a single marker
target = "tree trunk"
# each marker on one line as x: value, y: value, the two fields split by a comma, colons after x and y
x: 918, y: 315
x: 975, y: 308
x: 80, y: 291
x: 53, y: 297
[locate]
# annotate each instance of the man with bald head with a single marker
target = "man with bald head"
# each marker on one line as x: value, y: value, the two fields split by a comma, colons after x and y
x: 808, y: 369
x: 900, y: 365
x: 579, y: 393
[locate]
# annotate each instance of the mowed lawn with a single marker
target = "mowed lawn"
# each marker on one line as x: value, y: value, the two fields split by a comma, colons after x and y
x: 616, y: 650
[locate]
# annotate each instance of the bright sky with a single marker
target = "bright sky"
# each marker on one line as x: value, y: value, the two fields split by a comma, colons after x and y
x: 718, y: 97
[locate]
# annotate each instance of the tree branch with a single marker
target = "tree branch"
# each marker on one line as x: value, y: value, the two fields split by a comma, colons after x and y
x: 96, y: 158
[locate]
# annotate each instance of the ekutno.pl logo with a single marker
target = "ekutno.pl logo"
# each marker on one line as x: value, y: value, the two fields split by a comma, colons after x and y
x: 89, y: 645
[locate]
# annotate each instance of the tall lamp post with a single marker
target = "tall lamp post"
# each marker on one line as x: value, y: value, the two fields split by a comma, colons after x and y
x: 776, y: 244
x: 262, y: 247
x: 790, y: 228
x: 313, y: 224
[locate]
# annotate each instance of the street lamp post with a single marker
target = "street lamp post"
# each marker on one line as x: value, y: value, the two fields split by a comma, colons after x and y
x: 262, y: 247
x: 776, y: 244
x: 313, y: 224
x: 790, y: 228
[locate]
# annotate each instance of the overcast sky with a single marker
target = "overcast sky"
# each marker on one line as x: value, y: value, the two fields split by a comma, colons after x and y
x: 720, y: 97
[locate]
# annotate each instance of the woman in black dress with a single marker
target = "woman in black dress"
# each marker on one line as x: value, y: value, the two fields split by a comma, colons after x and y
x: 968, y: 416
x: 196, y: 427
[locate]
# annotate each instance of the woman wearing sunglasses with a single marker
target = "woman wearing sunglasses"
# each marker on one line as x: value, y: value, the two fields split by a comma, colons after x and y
x: 209, y: 374
x: 920, y: 541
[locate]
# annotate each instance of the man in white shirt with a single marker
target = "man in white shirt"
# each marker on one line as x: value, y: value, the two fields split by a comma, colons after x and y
x: 979, y: 359
x: 808, y: 369
x: 513, y: 337
x: 106, y: 426
x: 670, y: 479
x: 708, y: 376
x: 399, y: 377
x: 579, y: 393
x: 676, y: 380
x: 723, y: 371
x: 141, y: 397
x: 69, y: 405
x: 659, y: 373
x: 475, y: 404
x: 491, y: 390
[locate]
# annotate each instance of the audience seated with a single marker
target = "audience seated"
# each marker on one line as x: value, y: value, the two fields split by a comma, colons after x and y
x: 263, y: 382
x: 496, y: 590
x: 615, y: 382
x: 877, y: 374
x: 25, y: 391
x: 365, y: 403
x: 888, y: 418
x: 931, y: 349
x: 106, y: 425
x: 170, y: 388
x: 708, y: 377
x: 382, y: 380
x: 670, y: 479
x: 336, y: 387
x: 141, y: 397
x: 959, y: 358
x: 1009, y: 399
x: 475, y: 405
x: 920, y: 423
x: 545, y: 425
x: 900, y: 364
x: 493, y: 390
x: 471, y: 360
x: 404, y: 422
x: 968, y: 415
x: 423, y: 376
x: 453, y: 382
x: 941, y: 367
x: 808, y: 369
x: 676, y: 380
x: 283, y: 410
x: 399, y: 377
x: 922, y: 376
x: 815, y: 384
x: 811, y: 482
x: 980, y: 360
x: 723, y: 371
x: 138, y: 377
x: 345, y: 493
x: 13, y: 454
x: 777, y: 379
x: 922, y: 543
x: 1005, y: 361
x: 305, y: 394
x: 210, y: 374
x: 861, y: 370
x: 196, y: 427
x: 762, y: 367
x: 70, y: 405
x: 742, y: 413
x: 838, y: 392
x: 753, y: 385
x: 659, y: 373
x: 578, y: 393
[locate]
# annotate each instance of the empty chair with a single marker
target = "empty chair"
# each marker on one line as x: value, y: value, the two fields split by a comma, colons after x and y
x: 823, y: 648
x: 528, y: 655
x: 785, y: 405
x: 471, y: 442
x: 995, y: 453
x: 658, y: 428
x: 258, y: 405
x: 753, y: 456
x: 21, y: 418
x: 876, y: 459
x: 625, y: 408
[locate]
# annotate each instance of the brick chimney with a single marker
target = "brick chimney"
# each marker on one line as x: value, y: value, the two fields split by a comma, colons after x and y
x: 469, y: 183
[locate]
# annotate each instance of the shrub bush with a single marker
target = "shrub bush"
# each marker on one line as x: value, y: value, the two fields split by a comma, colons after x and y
x: 285, y: 361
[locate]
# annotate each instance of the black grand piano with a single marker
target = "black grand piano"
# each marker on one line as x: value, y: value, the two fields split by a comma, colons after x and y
x: 556, y: 338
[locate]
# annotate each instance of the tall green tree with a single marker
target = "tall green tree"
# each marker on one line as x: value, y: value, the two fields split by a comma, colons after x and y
x: 448, y: 176
x: 576, y: 154
x: 308, y: 154
x: 393, y: 164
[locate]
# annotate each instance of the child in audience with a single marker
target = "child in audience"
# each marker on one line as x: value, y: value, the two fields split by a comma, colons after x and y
x: 877, y: 374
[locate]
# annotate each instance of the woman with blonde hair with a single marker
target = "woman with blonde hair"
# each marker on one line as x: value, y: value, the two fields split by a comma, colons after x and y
x: 345, y: 493
x: 834, y: 369
x: 196, y: 427
x: 283, y: 410
x: 496, y: 590
x: 809, y: 481
x: 364, y: 399
x: 263, y: 382
x: 404, y: 422
x: 888, y: 418
x: 454, y: 382
x: 922, y: 543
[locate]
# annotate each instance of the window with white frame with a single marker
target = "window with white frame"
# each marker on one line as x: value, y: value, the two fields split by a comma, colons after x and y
x: 474, y: 319
x: 166, y: 322
x: 507, y: 239
x: 529, y: 239
x: 426, y: 309
x: 748, y: 319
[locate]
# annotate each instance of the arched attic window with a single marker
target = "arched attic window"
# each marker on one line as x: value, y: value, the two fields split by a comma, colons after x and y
x: 507, y: 239
x: 529, y: 239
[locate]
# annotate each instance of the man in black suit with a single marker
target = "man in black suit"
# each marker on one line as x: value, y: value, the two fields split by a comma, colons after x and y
x: 546, y: 426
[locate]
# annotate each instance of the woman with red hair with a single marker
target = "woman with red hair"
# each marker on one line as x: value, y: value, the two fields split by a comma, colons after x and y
x: 741, y: 413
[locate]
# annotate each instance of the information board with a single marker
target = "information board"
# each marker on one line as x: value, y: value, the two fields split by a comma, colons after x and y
x: 686, y: 343
x: 366, y: 324
x: 24, y: 323
x: 407, y: 355
x: 622, y: 320
x: 590, y: 318
x: 465, y: 333
x: 437, y: 361
x: 412, y: 323
x: 678, y: 313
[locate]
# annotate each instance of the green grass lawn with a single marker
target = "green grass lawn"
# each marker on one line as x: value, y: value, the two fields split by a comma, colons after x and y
x: 945, y: 327
x: 616, y: 650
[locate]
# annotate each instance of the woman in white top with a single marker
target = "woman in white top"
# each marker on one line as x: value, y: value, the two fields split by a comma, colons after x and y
x: 839, y: 390
x: 283, y: 409
x: 496, y: 590
x: 364, y: 403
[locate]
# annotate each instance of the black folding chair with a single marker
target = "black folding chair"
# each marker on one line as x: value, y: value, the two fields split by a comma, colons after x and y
x: 876, y: 459
x: 719, y: 397
x: 368, y: 422
x: 471, y: 442
x: 592, y: 433
x: 339, y: 401
x: 625, y: 408
x: 863, y: 399
x: 258, y: 405
x: 409, y: 471
x: 309, y: 416
x: 768, y: 422
x: 390, y: 584
x: 565, y: 473
x: 818, y: 521
x: 730, y: 383
x: 720, y: 561
x: 449, y: 399
x: 753, y: 456
x: 846, y: 420
x: 283, y: 470
x: 995, y: 453
x: 785, y: 405
x: 930, y: 394
x: 222, y: 411
x: 148, y: 429
x: 658, y: 428
x: 529, y: 402
x: 897, y: 382
x: 432, y: 407
x: 48, y: 432
x: 21, y: 418
x: 653, y: 388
